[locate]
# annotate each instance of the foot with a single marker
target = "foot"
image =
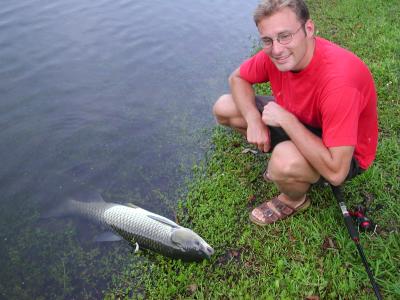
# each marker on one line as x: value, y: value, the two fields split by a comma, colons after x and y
x: 277, y: 209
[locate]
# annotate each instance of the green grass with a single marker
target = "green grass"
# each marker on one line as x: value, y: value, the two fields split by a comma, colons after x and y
x: 292, y: 259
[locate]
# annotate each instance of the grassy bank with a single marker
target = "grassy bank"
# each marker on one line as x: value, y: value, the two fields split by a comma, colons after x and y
x: 309, y: 254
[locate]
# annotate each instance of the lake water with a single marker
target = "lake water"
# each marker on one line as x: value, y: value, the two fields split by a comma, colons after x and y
x: 108, y: 96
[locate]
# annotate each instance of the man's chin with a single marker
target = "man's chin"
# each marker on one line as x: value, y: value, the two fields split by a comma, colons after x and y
x: 284, y: 67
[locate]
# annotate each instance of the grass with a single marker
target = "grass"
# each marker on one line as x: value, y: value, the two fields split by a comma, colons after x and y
x: 309, y: 254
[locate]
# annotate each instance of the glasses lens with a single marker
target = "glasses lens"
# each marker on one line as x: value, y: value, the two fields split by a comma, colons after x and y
x: 267, y: 43
x: 285, y: 38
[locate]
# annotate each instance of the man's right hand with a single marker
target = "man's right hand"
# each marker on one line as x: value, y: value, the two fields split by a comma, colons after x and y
x: 258, y: 135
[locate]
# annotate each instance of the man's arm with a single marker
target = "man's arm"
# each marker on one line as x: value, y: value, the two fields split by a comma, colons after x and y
x: 332, y: 163
x: 244, y: 97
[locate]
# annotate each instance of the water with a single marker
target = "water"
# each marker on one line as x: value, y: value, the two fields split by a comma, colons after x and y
x: 111, y: 96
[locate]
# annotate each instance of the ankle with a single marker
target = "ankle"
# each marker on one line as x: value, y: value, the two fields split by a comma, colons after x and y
x: 292, y: 202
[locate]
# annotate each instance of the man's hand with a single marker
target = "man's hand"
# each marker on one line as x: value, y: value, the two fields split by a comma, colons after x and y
x: 332, y: 163
x: 258, y: 134
x: 243, y: 95
x: 273, y: 114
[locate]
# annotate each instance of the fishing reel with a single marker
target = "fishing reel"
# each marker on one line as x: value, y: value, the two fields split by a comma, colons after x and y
x: 364, y: 224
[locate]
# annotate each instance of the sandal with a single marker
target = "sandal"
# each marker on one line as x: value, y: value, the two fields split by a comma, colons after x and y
x: 284, y: 211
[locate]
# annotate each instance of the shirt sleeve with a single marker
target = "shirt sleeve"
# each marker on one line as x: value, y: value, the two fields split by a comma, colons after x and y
x: 255, y: 69
x: 340, y: 112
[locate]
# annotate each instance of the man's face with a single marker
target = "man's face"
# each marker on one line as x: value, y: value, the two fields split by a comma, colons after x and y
x: 295, y: 55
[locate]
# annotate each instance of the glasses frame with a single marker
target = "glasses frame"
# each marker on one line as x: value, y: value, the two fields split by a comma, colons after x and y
x: 278, y: 38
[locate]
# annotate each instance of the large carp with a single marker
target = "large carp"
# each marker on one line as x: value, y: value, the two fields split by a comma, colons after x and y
x: 140, y: 227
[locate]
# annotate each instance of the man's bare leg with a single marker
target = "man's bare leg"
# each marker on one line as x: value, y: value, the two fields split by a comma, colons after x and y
x: 291, y: 173
x: 287, y: 168
x: 227, y: 114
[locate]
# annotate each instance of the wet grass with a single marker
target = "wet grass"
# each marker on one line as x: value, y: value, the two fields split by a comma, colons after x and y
x: 309, y: 254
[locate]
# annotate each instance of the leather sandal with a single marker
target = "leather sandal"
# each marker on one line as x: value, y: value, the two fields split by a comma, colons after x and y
x: 284, y: 211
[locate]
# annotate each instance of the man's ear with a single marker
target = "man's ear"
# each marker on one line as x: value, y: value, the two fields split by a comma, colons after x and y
x: 309, y: 28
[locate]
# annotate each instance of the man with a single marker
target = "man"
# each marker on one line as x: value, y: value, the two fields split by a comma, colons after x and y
x: 321, y: 122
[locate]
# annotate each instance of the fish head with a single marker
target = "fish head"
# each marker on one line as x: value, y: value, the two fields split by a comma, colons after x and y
x: 190, y: 244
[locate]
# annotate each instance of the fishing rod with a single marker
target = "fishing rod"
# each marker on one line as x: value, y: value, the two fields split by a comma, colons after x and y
x: 337, y: 191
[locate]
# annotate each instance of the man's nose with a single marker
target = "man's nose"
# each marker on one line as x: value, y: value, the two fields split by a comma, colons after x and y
x: 276, y: 48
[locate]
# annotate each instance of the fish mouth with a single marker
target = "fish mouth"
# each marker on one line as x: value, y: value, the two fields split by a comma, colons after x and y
x: 195, y: 255
x: 203, y: 252
x: 207, y: 251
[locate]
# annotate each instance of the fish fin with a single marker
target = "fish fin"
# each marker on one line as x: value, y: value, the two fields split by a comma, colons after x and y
x: 63, y: 210
x: 69, y: 207
x: 136, y: 248
x: 131, y: 205
x: 163, y: 220
x: 108, y: 237
x: 87, y: 196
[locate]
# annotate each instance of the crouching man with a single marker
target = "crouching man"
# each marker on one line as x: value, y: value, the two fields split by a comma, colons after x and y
x: 320, y: 122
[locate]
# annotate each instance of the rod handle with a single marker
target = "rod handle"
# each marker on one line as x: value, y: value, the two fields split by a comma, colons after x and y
x: 351, y: 228
x: 353, y: 232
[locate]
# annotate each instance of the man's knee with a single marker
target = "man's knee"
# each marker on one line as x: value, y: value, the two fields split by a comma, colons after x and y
x: 221, y: 109
x: 287, y: 164
x: 281, y: 167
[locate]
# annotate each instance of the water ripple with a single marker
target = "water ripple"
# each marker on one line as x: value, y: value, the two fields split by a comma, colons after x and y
x: 109, y: 92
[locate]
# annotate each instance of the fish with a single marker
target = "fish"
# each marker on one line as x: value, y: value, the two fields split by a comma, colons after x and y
x: 140, y: 227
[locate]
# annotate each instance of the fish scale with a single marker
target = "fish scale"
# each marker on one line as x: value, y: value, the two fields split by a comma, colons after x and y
x: 134, y: 223
x: 92, y: 210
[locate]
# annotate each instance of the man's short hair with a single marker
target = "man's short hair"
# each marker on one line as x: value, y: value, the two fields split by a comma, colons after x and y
x: 267, y: 8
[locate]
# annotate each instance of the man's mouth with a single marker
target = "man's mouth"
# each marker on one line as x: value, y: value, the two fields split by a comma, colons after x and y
x: 281, y: 59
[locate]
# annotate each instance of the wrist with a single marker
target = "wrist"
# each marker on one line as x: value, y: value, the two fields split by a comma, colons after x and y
x: 288, y: 120
x: 253, y: 118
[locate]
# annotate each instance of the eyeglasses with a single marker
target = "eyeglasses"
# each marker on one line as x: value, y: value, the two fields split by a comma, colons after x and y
x: 283, y: 38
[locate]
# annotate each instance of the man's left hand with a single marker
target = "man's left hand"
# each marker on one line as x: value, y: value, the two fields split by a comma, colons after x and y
x: 274, y: 114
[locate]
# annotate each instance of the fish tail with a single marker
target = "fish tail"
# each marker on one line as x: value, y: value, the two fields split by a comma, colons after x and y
x: 67, y: 208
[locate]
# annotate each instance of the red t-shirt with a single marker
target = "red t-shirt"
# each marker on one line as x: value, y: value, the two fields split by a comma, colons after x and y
x: 335, y: 92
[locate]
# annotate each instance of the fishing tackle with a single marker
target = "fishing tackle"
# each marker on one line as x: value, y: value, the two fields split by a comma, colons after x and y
x: 364, y: 223
x: 348, y: 220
